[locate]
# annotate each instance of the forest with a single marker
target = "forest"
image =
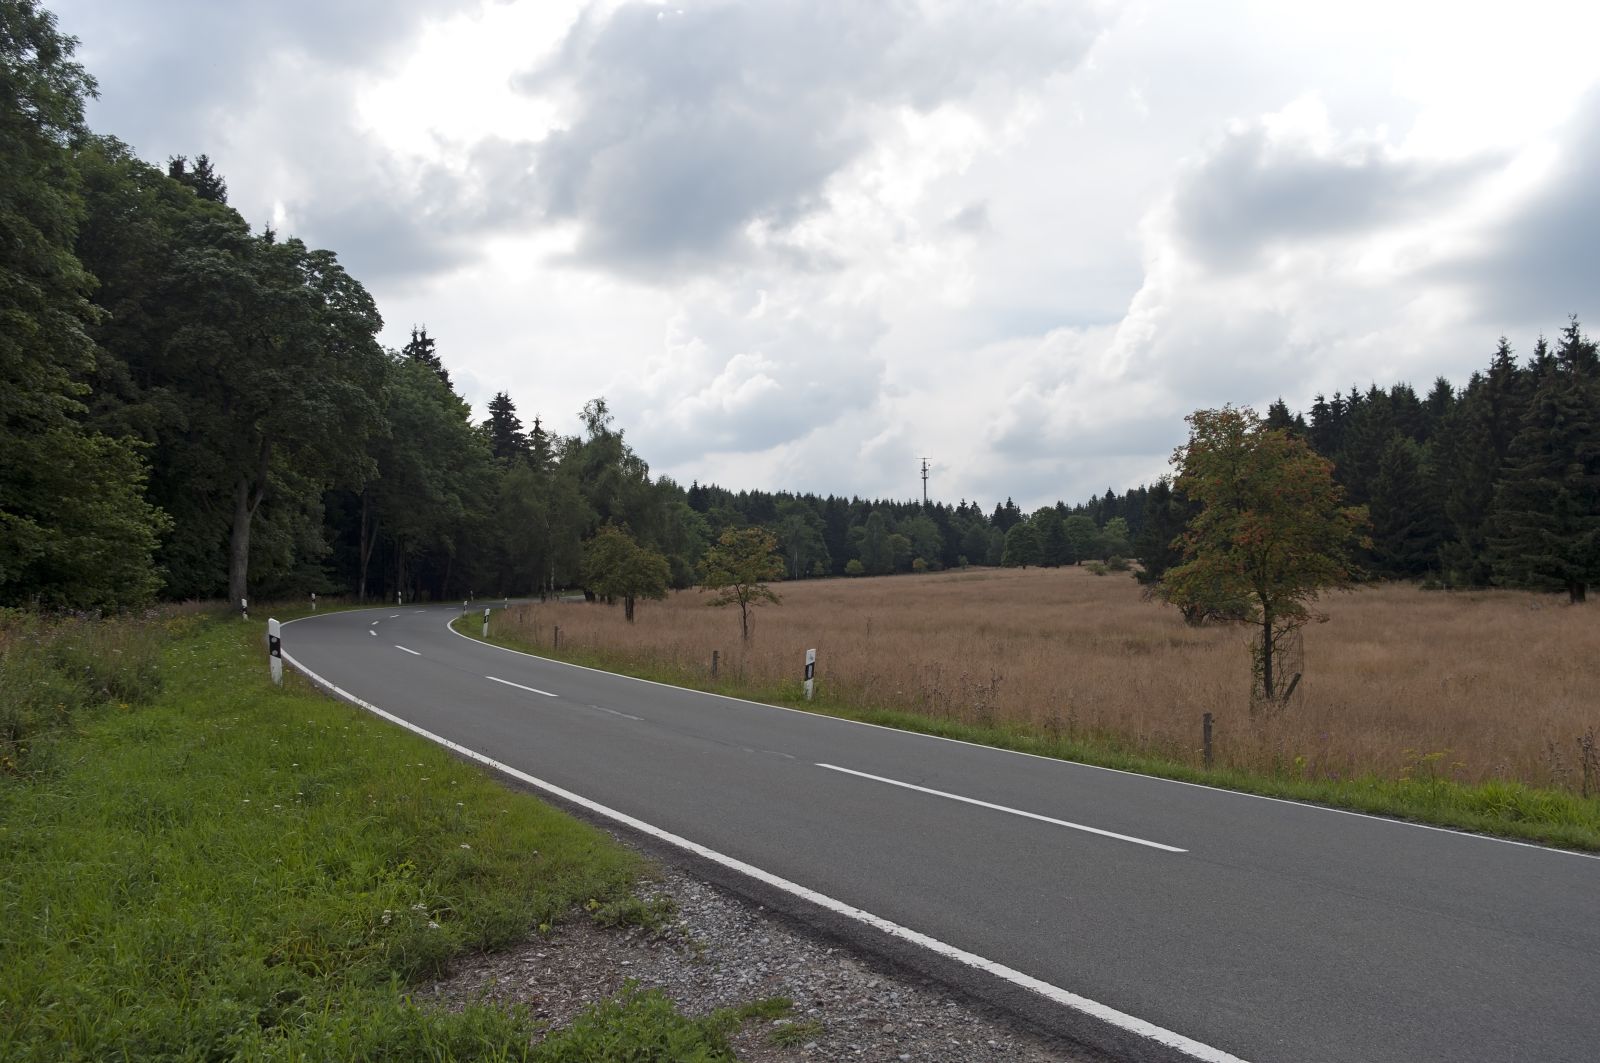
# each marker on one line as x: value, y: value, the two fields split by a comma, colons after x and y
x: 196, y: 407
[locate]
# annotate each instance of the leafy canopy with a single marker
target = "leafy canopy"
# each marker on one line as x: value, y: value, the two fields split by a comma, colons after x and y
x: 738, y: 567
x: 1272, y: 531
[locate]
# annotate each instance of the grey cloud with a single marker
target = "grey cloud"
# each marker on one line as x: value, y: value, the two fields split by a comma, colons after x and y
x: 1543, y: 262
x: 186, y: 78
x: 692, y: 124
x: 971, y: 219
x: 172, y: 72
x: 1252, y: 194
x: 1139, y: 434
x: 388, y: 225
x: 743, y: 384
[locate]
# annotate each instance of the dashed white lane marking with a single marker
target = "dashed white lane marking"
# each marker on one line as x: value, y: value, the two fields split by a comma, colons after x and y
x: 1004, y: 808
x: 519, y: 686
x: 375, y: 623
x: 614, y: 712
x: 373, y: 633
x: 402, y: 649
x: 394, y: 616
x: 1109, y: 1015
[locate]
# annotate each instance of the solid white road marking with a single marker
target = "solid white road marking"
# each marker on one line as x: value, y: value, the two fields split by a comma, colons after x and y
x: 1004, y: 808
x: 402, y: 649
x: 519, y: 686
x: 1109, y: 1015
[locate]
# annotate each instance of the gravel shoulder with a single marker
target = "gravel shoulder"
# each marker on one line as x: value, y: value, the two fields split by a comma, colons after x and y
x: 717, y: 950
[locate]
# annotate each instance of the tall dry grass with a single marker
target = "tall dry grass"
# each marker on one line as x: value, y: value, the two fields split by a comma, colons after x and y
x: 1399, y: 681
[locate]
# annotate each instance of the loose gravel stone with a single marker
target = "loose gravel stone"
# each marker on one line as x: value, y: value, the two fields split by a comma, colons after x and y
x: 719, y: 951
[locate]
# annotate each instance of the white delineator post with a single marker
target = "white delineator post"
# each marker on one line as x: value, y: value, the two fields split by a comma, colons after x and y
x: 275, y: 650
x: 486, y: 621
x: 313, y: 601
x: 811, y: 672
x: 244, y: 608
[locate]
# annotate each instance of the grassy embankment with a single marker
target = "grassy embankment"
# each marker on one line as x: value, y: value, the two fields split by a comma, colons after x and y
x: 1463, y: 710
x: 196, y: 865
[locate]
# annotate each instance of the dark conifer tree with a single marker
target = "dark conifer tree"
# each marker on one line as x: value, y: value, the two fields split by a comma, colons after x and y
x: 1405, y: 514
x: 1006, y: 516
x: 507, y: 440
x: 1278, y: 415
x: 1546, y: 528
x: 421, y: 349
x: 1166, y: 514
x: 1440, y: 401
x: 1327, y: 425
x: 201, y: 177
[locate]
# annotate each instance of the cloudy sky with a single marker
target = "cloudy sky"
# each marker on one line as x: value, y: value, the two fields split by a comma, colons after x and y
x: 803, y: 243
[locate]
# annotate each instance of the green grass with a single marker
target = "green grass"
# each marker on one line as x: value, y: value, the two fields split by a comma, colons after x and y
x: 204, y: 866
x: 1500, y: 808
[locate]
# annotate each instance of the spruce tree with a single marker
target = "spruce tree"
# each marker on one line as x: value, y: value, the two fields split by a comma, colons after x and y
x: 507, y: 441
x: 421, y: 349
x: 1546, y: 526
x: 1405, y: 516
x: 1160, y: 545
x: 201, y: 178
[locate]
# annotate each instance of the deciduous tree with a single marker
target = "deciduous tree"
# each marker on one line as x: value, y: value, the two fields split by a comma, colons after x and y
x: 1272, y: 533
x: 738, y: 567
x: 75, y: 528
x: 614, y: 566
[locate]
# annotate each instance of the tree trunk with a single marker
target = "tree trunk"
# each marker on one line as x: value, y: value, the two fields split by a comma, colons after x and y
x: 744, y: 620
x: 239, y: 544
x: 246, y: 500
x: 369, y: 539
x: 1577, y: 593
x: 1266, y: 654
x: 627, y: 607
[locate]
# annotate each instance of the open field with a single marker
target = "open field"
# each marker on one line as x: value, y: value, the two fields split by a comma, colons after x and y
x: 1399, y: 684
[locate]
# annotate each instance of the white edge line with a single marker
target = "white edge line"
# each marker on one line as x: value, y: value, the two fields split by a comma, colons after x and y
x: 519, y: 686
x: 1006, y: 808
x: 1095, y: 1009
x: 1035, y: 756
x: 403, y: 649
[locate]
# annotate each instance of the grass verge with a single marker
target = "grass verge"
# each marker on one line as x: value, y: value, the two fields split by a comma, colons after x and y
x: 1500, y: 808
x: 205, y: 866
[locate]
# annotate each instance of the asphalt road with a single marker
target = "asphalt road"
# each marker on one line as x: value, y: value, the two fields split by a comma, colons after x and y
x: 1233, y: 925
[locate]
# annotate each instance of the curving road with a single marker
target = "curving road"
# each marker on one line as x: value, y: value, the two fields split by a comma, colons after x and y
x: 1149, y: 918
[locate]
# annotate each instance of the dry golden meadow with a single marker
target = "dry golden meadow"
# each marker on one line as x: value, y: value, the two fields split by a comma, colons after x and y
x: 1399, y: 681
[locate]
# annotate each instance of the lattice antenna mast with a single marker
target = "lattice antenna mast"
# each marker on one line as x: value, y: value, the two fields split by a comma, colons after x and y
x: 924, y: 483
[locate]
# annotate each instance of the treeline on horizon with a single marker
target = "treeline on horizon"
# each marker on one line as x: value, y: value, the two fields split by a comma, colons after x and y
x: 194, y: 408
